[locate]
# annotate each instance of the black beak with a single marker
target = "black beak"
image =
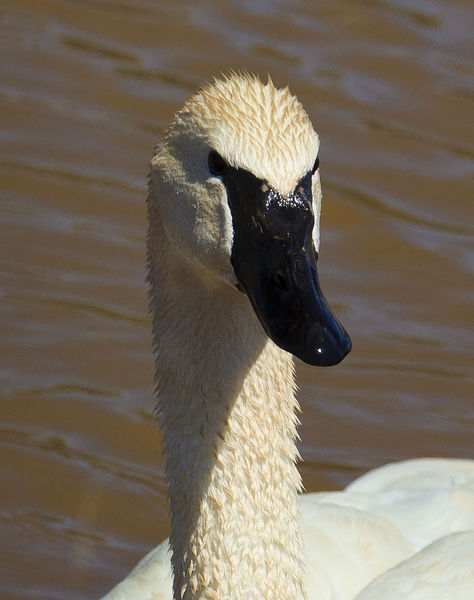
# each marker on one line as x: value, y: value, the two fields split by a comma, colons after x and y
x: 285, y: 294
x: 275, y: 263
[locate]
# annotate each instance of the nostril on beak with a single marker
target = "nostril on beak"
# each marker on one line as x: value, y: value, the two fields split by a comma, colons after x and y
x: 280, y: 281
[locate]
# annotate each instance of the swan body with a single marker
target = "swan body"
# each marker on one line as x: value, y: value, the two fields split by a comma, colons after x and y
x: 402, y: 531
x: 444, y: 570
x: 233, y: 239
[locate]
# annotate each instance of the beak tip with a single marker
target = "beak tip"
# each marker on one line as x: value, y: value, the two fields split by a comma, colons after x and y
x: 326, y: 352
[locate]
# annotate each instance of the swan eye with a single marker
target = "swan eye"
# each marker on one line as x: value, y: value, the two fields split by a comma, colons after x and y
x: 315, y: 166
x: 216, y: 164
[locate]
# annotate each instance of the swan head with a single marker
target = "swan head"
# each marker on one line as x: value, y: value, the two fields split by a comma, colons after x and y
x: 235, y: 187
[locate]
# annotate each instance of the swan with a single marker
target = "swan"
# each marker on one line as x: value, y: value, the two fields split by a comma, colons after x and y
x: 232, y: 247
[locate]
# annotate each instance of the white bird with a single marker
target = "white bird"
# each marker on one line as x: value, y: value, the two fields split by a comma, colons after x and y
x: 233, y: 239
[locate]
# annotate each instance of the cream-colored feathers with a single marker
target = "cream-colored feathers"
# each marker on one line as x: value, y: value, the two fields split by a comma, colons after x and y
x: 237, y: 117
x: 256, y: 127
x: 404, y: 531
x: 226, y: 393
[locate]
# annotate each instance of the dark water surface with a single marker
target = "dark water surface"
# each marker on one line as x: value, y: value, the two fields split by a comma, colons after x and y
x: 86, y: 88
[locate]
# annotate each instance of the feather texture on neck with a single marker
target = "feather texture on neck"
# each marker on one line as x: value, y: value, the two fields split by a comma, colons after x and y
x: 229, y: 434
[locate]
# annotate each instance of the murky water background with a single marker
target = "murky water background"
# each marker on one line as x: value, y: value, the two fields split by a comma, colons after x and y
x: 86, y: 89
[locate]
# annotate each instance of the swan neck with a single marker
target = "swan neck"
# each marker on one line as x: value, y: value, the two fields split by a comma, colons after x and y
x: 228, y: 412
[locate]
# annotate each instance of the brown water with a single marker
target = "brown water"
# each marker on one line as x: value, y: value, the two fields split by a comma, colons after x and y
x: 86, y: 88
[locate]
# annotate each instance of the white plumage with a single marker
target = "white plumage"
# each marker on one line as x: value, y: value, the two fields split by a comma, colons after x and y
x: 404, y: 531
x: 227, y: 404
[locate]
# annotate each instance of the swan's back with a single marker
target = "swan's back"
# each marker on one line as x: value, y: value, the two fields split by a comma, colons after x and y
x: 444, y: 570
x: 400, y: 532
